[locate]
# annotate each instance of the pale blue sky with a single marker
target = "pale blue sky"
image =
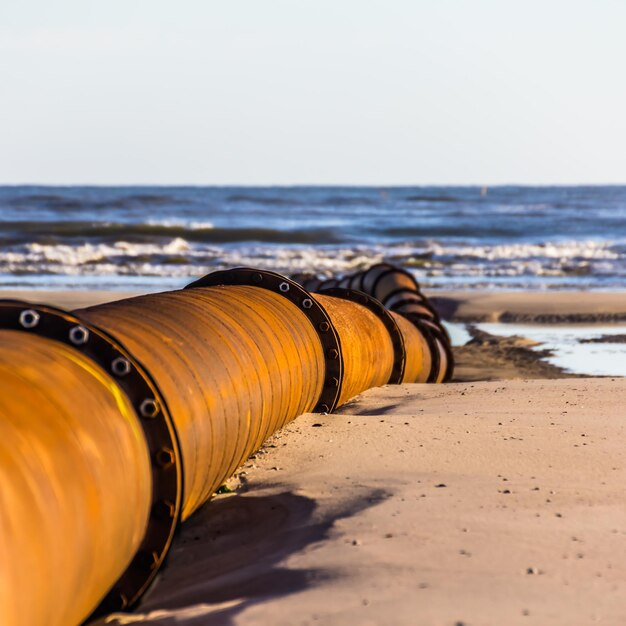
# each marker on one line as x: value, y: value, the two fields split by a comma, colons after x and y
x: 312, y: 91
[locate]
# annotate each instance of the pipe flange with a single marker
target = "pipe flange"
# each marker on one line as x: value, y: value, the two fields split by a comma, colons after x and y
x: 154, y: 418
x: 395, y: 270
x: 312, y: 309
x: 376, y: 307
x: 410, y: 298
x: 433, y: 332
x: 359, y: 278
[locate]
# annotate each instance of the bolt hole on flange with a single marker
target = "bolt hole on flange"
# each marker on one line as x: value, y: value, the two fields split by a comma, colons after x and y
x: 300, y: 297
x: 149, y: 408
x: 120, y: 366
x: 78, y: 335
x: 29, y: 318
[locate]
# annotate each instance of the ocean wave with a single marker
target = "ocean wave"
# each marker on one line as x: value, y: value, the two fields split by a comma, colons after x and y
x: 20, y: 231
x: 348, y: 201
x: 432, y: 198
x: 156, y: 259
x: 458, y: 229
x: 585, y: 249
x: 175, y: 223
x: 182, y: 257
x: 263, y: 200
x: 60, y: 202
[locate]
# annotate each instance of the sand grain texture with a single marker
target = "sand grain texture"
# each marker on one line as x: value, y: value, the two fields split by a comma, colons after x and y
x: 544, y: 307
x: 470, y: 503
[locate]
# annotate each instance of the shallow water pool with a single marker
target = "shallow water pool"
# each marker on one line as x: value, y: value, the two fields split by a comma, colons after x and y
x: 597, y: 359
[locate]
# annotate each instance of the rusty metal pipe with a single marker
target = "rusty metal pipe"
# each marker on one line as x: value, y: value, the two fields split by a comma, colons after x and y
x: 139, y: 393
x: 75, y: 482
x: 398, y: 290
x: 366, y: 346
x: 419, y: 363
x: 233, y: 363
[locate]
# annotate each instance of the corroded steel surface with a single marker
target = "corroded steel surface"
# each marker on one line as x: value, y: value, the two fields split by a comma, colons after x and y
x: 365, y: 343
x: 75, y: 482
x: 399, y: 291
x: 82, y: 476
x: 418, y: 361
x: 233, y: 363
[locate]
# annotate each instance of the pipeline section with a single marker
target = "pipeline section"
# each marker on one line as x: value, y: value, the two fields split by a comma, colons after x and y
x: 398, y: 291
x: 121, y: 420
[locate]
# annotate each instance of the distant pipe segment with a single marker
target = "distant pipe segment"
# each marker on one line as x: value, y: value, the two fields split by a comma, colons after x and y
x: 387, y: 320
x: 399, y: 291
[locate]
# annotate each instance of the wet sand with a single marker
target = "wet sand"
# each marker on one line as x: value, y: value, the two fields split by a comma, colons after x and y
x: 492, y: 500
x: 544, y: 307
x: 66, y: 299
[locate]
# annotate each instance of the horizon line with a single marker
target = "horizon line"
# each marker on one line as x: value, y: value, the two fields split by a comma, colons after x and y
x: 311, y: 185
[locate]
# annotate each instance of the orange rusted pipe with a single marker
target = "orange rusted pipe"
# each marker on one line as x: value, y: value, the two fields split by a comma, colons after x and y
x: 75, y: 482
x: 418, y: 357
x: 234, y: 364
x: 398, y: 291
x: 124, y: 418
x: 366, y: 346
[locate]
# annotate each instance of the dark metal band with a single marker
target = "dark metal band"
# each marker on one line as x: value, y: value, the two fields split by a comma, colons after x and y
x: 308, y: 281
x: 312, y: 309
x: 434, y: 333
x: 355, y: 281
x: 426, y: 331
x: 395, y: 270
x: 376, y: 307
x: 404, y: 290
x: 431, y: 315
x: 329, y: 283
x: 359, y: 279
x: 154, y: 419
x: 425, y: 304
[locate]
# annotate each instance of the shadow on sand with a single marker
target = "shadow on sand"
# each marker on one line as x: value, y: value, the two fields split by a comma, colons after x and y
x: 228, y: 557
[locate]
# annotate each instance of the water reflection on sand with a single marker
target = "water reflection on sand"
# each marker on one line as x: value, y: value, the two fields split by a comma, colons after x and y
x: 598, y: 359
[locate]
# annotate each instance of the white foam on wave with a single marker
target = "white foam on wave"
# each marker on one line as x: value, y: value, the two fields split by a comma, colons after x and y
x: 127, y: 258
x: 584, y: 249
x: 311, y: 259
x: 176, y: 223
x: 90, y: 253
x: 509, y: 264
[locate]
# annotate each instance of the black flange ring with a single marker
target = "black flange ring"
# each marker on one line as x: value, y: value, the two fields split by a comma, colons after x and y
x: 376, y: 307
x: 153, y: 416
x: 307, y: 304
x: 395, y: 270
x: 434, y: 332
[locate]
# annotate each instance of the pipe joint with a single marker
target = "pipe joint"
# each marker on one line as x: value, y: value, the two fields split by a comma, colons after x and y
x: 159, y: 433
x: 372, y: 304
x: 310, y: 308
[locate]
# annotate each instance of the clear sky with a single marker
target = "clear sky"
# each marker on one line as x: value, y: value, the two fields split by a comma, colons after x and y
x: 312, y: 91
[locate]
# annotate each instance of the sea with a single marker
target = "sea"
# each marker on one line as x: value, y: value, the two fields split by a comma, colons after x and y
x: 156, y: 238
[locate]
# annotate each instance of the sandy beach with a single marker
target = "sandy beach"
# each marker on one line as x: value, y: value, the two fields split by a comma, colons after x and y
x: 495, y: 499
x: 531, y: 306
x: 481, y: 503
